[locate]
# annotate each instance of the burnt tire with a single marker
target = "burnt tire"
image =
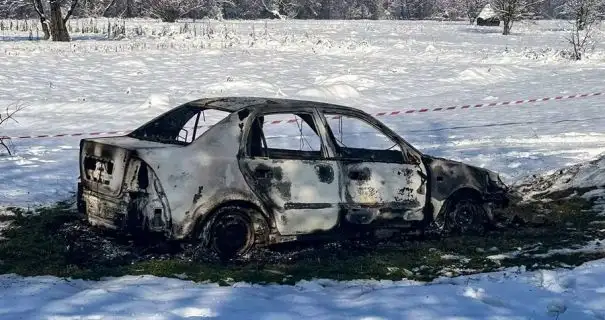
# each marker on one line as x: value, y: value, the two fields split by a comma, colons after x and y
x: 465, y: 217
x: 233, y: 231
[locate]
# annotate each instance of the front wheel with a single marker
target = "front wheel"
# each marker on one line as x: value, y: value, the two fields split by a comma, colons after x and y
x: 464, y: 217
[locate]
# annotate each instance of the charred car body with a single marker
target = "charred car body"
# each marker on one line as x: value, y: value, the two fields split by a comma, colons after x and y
x: 236, y: 185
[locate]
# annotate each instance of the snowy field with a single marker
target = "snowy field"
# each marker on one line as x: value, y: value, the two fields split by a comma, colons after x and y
x: 95, y: 84
x: 514, y: 294
x: 92, y: 84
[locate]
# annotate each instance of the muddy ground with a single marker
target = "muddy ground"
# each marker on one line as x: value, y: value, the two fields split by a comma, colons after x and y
x: 560, y: 231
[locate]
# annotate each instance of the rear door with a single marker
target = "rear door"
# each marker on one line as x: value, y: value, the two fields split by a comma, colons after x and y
x: 286, y: 164
x: 380, y: 179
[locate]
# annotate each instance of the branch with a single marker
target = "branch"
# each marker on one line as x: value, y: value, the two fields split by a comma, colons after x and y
x: 108, y: 7
x: 2, y: 138
x: 185, y: 12
x: 74, y: 3
x: 273, y: 12
x: 39, y: 10
x: 9, y: 116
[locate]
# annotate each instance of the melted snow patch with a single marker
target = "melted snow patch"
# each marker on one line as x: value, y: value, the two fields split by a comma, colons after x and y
x: 594, y: 246
x: 580, y: 177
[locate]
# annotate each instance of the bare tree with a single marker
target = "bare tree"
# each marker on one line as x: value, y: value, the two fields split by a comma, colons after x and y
x: 95, y: 8
x: 4, y: 118
x: 14, y: 8
x: 584, y: 15
x: 55, y: 27
x: 171, y: 10
x: 513, y: 10
x: 581, y: 40
x: 43, y: 20
x: 472, y: 8
x: 583, y: 12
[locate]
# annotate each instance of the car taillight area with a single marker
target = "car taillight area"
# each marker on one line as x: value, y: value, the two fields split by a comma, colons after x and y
x: 102, y: 167
x: 119, y: 190
x: 98, y: 170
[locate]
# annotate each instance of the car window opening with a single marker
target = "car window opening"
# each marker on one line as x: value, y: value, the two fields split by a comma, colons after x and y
x: 356, y: 139
x: 180, y: 126
x: 276, y: 142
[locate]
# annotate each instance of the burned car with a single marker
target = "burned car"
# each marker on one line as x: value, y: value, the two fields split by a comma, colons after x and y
x: 245, y: 182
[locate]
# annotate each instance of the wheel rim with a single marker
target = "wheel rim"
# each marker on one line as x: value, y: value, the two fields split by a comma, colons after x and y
x: 468, y: 217
x: 232, y: 235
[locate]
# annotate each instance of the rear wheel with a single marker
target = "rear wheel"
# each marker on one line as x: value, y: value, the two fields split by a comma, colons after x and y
x: 233, y: 231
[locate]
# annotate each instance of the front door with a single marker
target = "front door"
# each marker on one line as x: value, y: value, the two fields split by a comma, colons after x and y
x: 285, y: 164
x: 379, y: 181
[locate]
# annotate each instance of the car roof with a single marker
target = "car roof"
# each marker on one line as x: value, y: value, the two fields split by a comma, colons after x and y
x: 234, y: 104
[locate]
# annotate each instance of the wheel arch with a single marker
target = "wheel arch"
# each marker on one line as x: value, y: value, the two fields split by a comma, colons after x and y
x: 202, y: 220
x: 464, y: 192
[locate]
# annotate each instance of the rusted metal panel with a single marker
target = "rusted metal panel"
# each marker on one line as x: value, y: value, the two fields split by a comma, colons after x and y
x: 393, y: 190
x: 201, y: 175
x: 448, y: 176
x: 303, y: 194
x: 170, y: 185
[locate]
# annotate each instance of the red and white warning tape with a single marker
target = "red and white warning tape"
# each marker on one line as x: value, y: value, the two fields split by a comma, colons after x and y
x: 79, y: 134
x: 378, y: 114
x: 493, y: 104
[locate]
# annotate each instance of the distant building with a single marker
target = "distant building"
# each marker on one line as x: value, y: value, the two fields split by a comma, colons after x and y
x: 488, y: 17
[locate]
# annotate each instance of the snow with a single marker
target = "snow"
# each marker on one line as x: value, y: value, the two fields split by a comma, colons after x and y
x: 511, y: 294
x: 90, y: 85
x: 487, y: 12
x: 97, y: 84
x: 586, y: 180
x: 593, y: 246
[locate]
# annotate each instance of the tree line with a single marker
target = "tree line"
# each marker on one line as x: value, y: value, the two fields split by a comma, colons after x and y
x: 53, y: 14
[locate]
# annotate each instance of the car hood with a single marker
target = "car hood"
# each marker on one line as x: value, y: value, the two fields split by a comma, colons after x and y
x: 447, y: 176
x: 431, y: 159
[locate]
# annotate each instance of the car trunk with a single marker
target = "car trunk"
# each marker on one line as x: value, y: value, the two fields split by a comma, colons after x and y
x: 103, y: 162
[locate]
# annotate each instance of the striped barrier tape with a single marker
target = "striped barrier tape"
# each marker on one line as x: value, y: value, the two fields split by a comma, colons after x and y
x: 378, y: 114
x: 79, y: 134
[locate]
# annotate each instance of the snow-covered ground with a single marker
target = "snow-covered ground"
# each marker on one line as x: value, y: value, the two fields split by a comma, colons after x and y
x: 94, y: 84
x: 100, y: 85
x: 514, y: 294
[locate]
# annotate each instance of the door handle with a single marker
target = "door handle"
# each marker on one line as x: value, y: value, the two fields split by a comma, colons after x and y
x: 363, y: 174
x: 263, y: 173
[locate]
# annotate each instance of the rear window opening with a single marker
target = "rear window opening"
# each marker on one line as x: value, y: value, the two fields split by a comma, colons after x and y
x: 179, y: 126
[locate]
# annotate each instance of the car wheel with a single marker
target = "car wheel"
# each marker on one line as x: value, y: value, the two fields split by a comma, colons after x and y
x: 233, y: 231
x: 466, y: 216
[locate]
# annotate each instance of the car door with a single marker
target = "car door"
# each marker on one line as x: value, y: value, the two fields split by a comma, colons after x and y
x: 286, y: 165
x: 381, y: 180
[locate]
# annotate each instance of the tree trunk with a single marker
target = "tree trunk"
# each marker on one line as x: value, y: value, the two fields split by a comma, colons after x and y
x: 45, y: 29
x: 58, y: 30
x: 129, y: 9
x: 507, y: 26
x: 324, y: 11
x: 581, y: 19
x: 40, y: 10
